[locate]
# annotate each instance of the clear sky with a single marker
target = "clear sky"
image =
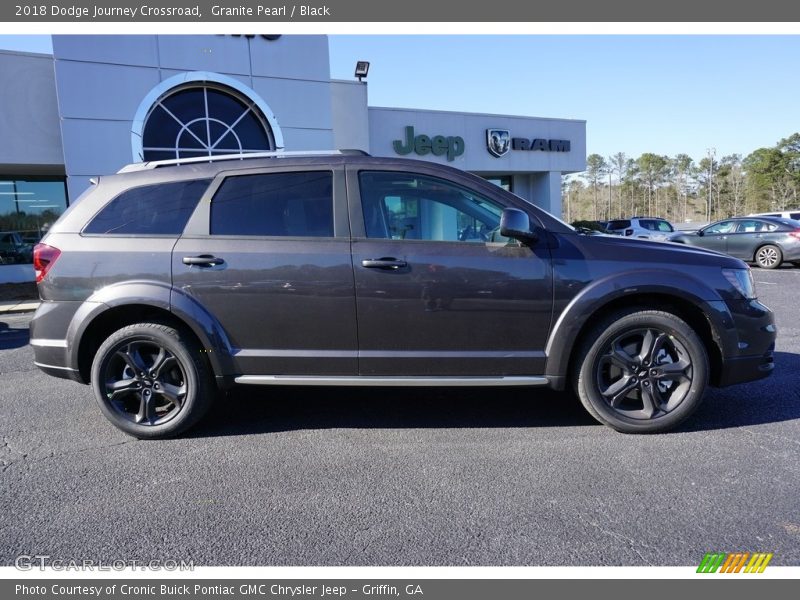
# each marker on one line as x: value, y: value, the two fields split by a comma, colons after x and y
x: 662, y: 94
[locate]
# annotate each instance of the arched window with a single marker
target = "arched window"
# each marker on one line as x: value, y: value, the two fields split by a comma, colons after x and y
x: 204, y: 118
x: 202, y: 113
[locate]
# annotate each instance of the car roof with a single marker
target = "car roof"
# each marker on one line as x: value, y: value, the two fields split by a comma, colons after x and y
x: 775, y: 212
x: 776, y: 220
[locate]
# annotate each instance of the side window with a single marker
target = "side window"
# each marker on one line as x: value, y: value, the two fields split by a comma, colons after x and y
x: 408, y: 206
x: 618, y: 224
x: 750, y: 226
x: 664, y: 226
x: 722, y: 227
x: 161, y: 209
x: 648, y: 224
x: 795, y: 216
x: 296, y: 204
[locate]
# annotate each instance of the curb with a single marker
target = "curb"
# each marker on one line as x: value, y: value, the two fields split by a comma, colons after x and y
x: 18, y: 307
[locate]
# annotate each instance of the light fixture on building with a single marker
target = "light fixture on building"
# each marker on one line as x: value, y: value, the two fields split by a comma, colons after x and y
x: 362, y: 68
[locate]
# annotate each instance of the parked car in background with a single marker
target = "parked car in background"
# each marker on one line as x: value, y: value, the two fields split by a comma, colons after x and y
x: 596, y: 227
x: 13, y: 249
x: 786, y: 214
x: 766, y: 241
x: 648, y: 228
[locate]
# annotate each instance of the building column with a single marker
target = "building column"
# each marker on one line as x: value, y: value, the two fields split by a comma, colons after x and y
x: 540, y: 189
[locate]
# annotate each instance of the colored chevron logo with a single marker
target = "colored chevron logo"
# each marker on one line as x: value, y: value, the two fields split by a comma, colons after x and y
x: 734, y: 562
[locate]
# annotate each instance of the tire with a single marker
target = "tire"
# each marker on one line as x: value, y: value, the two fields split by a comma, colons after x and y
x: 649, y: 398
x: 170, y: 390
x: 769, y: 257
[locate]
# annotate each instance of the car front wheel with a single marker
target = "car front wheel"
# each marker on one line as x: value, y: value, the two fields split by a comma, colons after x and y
x: 151, y: 381
x: 641, y: 371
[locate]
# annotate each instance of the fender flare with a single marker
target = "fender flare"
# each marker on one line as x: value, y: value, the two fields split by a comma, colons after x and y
x: 599, y: 294
x: 160, y: 295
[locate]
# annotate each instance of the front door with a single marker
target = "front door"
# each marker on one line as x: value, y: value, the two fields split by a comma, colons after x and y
x: 269, y: 260
x: 715, y: 237
x: 438, y: 292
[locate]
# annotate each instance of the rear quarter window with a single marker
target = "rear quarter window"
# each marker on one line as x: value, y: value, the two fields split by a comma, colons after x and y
x: 159, y: 209
x: 619, y: 224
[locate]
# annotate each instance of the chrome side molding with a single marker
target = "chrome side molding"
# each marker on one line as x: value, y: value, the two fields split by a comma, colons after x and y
x: 391, y: 381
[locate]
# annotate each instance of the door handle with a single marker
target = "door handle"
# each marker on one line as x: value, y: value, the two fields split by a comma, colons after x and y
x: 204, y: 260
x: 383, y: 263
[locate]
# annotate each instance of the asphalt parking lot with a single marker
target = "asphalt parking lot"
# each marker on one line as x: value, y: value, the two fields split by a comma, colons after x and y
x: 403, y: 477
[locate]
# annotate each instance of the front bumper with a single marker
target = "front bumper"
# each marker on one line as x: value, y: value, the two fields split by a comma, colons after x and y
x: 752, y: 356
x: 746, y: 368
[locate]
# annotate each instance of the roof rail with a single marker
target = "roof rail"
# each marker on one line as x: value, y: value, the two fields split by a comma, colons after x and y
x: 155, y: 164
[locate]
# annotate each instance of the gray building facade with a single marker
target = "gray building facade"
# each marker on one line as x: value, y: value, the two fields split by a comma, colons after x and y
x: 101, y: 102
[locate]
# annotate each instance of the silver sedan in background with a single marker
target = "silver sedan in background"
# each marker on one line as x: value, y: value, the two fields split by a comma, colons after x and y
x: 766, y: 241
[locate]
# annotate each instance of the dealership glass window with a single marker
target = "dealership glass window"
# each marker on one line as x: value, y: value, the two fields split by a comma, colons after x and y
x: 297, y: 204
x: 406, y: 206
x: 204, y: 120
x: 503, y: 181
x: 28, y: 207
x: 161, y: 209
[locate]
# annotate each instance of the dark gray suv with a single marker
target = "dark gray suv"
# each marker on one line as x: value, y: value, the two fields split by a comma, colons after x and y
x: 165, y: 285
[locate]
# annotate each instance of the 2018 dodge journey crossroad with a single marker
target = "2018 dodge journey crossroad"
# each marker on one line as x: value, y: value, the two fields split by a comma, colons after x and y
x: 166, y: 284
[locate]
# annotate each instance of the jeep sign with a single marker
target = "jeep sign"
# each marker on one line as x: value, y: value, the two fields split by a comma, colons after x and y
x: 438, y: 145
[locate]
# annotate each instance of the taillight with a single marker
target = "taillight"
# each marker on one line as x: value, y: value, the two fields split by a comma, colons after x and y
x: 629, y: 232
x: 43, y: 258
x: 795, y: 234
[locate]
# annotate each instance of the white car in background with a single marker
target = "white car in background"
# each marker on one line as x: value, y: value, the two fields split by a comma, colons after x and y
x: 786, y: 214
x: 649, y: 228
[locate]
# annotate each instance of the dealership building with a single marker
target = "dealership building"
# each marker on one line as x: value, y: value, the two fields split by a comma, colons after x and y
x: 101, y: 102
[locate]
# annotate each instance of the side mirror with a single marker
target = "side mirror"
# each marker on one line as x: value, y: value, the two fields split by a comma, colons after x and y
x: 701, y: 233
x: 515, y: 224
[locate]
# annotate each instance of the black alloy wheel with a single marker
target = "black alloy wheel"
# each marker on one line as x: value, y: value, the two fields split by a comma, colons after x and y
x: 641, y: 371
x: 644, y: 373
x: 151, y: 380
x: 145, y: 383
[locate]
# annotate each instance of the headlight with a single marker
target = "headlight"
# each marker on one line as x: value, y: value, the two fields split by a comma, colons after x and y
x: 742, y: 280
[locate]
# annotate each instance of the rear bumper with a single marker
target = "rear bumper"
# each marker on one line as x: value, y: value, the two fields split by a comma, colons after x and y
x: 59, y: 371
x: 50, y: 341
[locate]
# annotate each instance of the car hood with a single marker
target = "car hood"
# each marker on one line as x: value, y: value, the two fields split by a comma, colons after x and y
x: 647, y: 251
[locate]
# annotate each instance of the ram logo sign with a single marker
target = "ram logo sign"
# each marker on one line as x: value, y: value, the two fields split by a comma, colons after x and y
x: 499, y: 142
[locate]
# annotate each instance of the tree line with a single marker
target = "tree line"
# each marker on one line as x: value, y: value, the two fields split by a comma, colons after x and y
x: 680, y: 188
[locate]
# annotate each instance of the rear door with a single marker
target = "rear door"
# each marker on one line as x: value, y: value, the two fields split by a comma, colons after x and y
x: 749, y: 234
x: 269, y: 257
x: 438, y: 292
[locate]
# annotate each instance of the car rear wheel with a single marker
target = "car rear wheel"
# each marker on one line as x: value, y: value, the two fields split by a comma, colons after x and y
x: 769, y: 257
x: 151, y: 381
x: 641, y: 371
